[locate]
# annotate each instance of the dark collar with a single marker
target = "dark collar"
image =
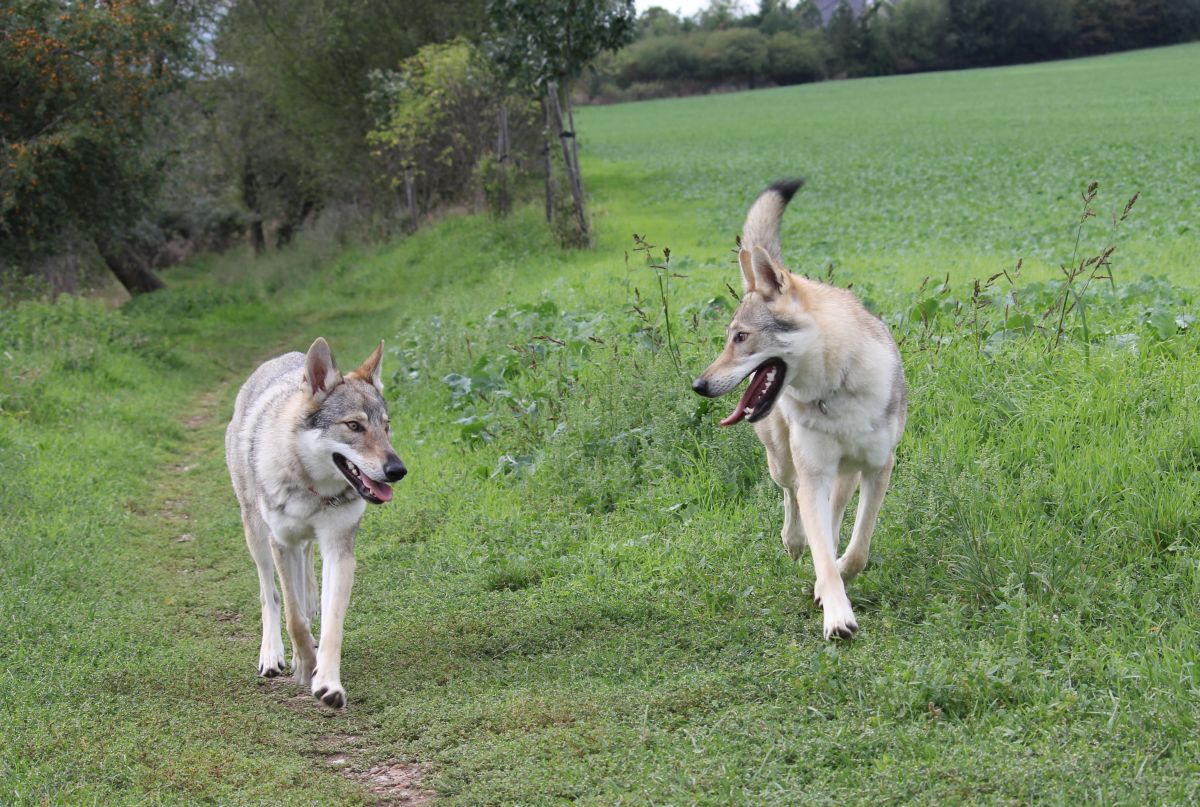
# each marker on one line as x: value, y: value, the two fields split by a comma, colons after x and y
x: 345, y: 497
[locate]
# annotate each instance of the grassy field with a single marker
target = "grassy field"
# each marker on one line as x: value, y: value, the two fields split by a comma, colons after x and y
x: 579, y: 593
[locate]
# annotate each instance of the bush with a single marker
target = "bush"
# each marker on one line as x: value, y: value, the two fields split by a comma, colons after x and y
x: 917, y: 33
x: 793, y: 59
x: 736, y: 54
x: 439, y: 120
x: 665, y: 58
x: 992, y: 32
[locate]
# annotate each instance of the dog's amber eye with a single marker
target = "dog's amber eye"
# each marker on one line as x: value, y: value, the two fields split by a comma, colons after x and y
x: 354, y: 425
x: 740, y: 336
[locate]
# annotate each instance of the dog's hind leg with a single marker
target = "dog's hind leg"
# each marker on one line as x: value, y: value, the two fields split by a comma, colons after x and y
x: 258, y: 539
x: 874, y: 486
x: 793, y: 530
x: 843, y: 489
x: 289, y: 558
x: 337, y: 578
x: 312, y: 605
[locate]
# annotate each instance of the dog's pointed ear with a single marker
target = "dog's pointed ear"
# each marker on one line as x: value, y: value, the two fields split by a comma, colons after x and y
x: 747, y: 271
x: 320, y: 371
x: 761, y: 273
x: 372, y: 369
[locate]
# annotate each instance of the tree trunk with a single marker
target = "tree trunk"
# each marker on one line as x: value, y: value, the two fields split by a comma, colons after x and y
x: 289, y: 226
x: 283, y: 236
x: 502, y: 200
x: 566, y: 136
x: 410, y: 197
x: 130, y: 270
x: 258, y: 240
x: 547, y: 160
x: 574, y: 139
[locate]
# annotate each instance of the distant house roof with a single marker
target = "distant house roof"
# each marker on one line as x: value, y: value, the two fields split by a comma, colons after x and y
x: 827, y: 7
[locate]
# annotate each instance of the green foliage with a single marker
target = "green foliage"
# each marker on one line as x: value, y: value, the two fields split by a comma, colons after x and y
x: 736, y: 54
x: 438, y: 122
x: 662, y: 58
x: 534, y: 42
x: 917, y: 34
x: 76, y: 86
x: 312, y: 61
x: 986, y: 32
x: 433, y: 107
x: 883, y: 38
x: 793, y: 59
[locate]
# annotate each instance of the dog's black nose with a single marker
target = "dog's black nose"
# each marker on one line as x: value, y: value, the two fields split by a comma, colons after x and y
x: 394, y: 469
x: 700, y: 385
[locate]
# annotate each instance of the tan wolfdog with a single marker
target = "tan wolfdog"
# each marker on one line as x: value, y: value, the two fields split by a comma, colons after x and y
x: 307, y: 448
x: 826, y: 396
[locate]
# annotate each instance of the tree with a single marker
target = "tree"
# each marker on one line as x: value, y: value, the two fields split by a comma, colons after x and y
x: 76, y: 88
x: 662, y: 58
x: 992, y: 32
x: 719, y: 14
x: 311, y: 60
x: 657, y: 21
x: 737, y: 54
x: 846, y: 40
x: 436, y: 127
x: 546, y: 45
x: 917, y: 31
x: 264, y: 159
x: 793, y: 59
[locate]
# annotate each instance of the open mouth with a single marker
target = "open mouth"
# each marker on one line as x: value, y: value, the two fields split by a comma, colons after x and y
x: 765, y: 385
x: 368, y: 488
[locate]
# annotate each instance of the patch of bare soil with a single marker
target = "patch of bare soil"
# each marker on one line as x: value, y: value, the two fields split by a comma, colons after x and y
x: 198, y: 420
x: 396, y: 783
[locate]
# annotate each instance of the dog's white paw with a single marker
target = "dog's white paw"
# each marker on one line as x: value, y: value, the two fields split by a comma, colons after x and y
x: 839, y: 616
x: 303, y: 668
x: 849, y: 567
x: 330, y: 693
x: 270, y: 661
x: 794, y: 544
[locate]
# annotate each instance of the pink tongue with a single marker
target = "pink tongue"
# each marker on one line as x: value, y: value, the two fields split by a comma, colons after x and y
x: 739, y: 412
x: 382, y: 492
x: 757, y: 382
x: 737, y: 415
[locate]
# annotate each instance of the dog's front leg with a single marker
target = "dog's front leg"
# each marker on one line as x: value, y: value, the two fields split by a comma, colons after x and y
x: 289, y: 560
x: 813, y: 493
x: 337, y: 578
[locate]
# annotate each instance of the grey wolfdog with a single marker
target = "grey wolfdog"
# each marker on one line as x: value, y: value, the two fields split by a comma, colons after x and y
x: 307, y: 448
x: 826, y: 396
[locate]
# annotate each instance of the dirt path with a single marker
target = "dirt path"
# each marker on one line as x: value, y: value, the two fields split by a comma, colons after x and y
x: 192, y: 508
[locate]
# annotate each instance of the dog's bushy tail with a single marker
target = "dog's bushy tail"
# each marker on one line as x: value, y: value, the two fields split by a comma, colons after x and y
x: 762, y: 221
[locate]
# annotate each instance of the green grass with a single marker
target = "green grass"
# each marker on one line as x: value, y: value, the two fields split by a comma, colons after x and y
x: 579, y: 592
x: 923, y: 174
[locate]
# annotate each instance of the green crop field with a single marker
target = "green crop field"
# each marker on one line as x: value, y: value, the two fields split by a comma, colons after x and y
x: 579, y: 592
